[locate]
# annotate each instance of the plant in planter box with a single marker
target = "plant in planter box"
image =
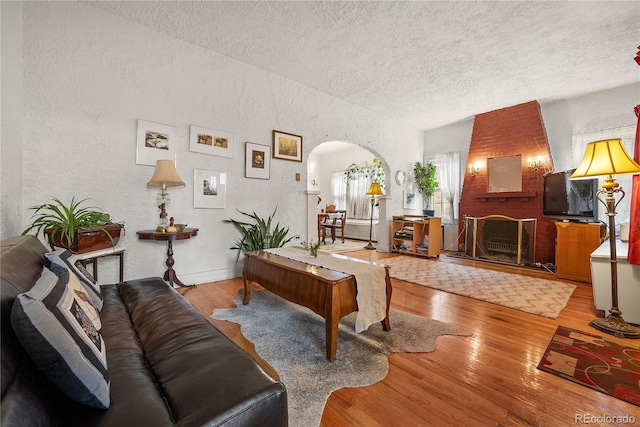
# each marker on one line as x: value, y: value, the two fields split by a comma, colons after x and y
x: 425, y: 177
x: 72, y: 226
x: 258, y: 235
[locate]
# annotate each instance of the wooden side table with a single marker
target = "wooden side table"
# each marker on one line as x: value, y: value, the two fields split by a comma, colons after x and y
x: 187, y: 233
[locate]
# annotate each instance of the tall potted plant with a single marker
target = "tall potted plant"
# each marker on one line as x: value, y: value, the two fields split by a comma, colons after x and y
x: 425, y: 177
x: 74, y: 227
x: 259, y: 235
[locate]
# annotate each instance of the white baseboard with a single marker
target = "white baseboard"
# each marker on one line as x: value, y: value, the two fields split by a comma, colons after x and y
x: 208, y: 276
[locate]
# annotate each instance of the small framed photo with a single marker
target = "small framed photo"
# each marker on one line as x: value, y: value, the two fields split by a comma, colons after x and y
x: 287, y: 146
x: 257, y: 161
x: 155, y: 141
x: 209, y: 189
x: 408, y: 200
x: 209, y: 141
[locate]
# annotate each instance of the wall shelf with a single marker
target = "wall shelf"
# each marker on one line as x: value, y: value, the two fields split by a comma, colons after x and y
x: 520, y: 195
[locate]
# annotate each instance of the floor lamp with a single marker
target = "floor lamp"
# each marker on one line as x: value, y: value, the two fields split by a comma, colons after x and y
x: 607, y: 158
x: 374, y: 191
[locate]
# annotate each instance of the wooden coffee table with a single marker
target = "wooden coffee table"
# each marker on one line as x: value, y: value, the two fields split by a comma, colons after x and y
x: 329, y: 293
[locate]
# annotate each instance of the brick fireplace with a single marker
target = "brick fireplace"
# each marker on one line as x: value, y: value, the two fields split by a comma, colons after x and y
x: 512, y: 131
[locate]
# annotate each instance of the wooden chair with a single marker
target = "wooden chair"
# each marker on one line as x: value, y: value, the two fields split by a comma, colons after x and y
x: 334, y: 220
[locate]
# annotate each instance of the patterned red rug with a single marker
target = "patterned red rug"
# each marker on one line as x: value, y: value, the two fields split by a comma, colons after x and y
x: 594, y: 362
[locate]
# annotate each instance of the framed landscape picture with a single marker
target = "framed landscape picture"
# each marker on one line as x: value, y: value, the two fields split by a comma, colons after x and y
x: 209, y: 141
x: 287, y: 146
x: 209, y: 189
x: 257, y: 161
x: 155, y: 141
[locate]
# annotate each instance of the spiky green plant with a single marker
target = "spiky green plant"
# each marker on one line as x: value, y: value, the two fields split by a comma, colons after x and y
x: 65, y: 219
x: 258, y: 235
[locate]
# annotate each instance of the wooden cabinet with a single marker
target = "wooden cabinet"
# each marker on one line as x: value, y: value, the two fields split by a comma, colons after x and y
x: 416, y: 235
x: 574, y: 244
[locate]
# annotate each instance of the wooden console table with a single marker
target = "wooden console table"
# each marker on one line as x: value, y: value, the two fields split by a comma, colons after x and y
x: 187, y: 233
x: 329, y: 293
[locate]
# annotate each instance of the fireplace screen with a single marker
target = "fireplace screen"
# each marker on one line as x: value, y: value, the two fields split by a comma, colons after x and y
x: 501, y: 238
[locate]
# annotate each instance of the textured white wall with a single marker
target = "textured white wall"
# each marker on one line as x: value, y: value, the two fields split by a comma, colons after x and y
x: 562, y: 118
x: 599, y: 110
x: 89, y: 76
x: 12, y: 115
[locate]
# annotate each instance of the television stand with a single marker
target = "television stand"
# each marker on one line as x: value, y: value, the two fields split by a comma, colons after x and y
x: 574, y: 244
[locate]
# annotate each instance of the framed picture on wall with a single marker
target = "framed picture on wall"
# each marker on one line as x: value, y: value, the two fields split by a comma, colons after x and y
x: 155, y: 141
x: 209, y: 141
x: 209, y: 189
x: 408, y: 200
x: 287, y: 146
x: 257, y: 161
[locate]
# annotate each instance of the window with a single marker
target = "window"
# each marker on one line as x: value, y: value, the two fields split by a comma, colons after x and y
x: 447, y: 197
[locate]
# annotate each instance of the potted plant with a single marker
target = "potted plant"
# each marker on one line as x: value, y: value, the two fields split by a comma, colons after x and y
x: 258, y: 235
x: 425, y: 177
x: 74, y: 227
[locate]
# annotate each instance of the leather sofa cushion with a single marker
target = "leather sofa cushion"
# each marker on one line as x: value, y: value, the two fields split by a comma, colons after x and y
x: 170, y: 366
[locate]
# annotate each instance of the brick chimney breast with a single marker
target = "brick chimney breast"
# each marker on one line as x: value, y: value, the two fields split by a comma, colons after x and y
x: 512, y: 131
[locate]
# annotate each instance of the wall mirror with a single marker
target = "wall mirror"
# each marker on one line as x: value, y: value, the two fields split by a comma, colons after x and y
x: 505, y: 174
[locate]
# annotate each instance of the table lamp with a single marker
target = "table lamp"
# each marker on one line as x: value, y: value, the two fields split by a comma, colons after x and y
x: 607, y: 158
x: 165, y: 176
x: 374, y: 191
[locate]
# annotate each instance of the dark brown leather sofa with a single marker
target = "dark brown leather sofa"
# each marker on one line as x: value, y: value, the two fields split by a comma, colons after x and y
x: 168, y: 365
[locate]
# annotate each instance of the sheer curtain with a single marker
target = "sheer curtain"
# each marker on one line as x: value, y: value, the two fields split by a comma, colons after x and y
x: 338, y: 190
x: 358, y: 203
x: 448, y: 173
x: 351, y: 195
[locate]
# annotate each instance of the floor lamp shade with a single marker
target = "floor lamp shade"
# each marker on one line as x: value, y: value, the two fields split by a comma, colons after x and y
x: 608, y: 158
x: 375, y: 189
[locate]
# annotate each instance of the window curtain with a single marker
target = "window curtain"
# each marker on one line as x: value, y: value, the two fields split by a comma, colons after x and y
x: 358, y: 203
x: 351, y: 195
x: 448, y: 173
x: 338, y: 190
x: 633, y: 257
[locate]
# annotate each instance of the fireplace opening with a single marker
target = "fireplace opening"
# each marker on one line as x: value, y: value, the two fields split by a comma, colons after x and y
x: 501, y: 238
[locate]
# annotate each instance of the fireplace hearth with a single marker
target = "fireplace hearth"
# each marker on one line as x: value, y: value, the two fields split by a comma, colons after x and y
x: 501, y: 238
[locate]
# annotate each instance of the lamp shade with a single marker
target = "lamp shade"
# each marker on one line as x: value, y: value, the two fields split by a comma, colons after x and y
x: 374, y: 190
x: 606, y: 157
x: 165, y: 176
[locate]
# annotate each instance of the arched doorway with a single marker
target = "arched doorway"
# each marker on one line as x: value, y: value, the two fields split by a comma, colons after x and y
x: 325, y: 163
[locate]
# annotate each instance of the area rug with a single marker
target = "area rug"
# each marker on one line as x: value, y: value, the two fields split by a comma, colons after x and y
x: 291, y: 338
x: 338, y: 246
x: 594, y: 362
x: 542, y: 297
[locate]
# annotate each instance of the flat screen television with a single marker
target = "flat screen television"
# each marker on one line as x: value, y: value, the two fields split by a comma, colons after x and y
x: 574, y: 200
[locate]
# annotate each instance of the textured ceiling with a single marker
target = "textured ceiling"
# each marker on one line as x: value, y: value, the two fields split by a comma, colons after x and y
x: 430, y: 63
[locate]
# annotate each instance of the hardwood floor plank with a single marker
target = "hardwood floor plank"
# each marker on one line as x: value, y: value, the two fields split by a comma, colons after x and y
x: 487, y: 379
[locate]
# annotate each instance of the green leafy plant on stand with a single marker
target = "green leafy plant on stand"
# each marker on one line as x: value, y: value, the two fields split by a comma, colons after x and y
x: 61, y: 222
x: 258, y: 234
x: 426, y: 181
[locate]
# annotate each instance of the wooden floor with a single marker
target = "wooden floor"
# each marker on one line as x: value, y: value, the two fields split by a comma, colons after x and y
x: 488, y: 379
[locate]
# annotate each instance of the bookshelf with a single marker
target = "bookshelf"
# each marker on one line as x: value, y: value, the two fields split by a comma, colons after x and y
x: 416, y: 235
